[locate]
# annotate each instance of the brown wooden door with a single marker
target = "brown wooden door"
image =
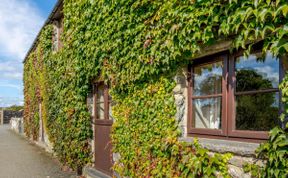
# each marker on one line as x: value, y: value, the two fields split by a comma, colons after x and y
x: 103, y: 154
x: 102, y: 129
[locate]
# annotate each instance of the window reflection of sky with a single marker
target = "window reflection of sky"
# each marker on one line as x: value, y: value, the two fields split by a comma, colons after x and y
x: 268, y: 68
x: 207, y: 101
x: 276, y: 100
x: 203, y: 73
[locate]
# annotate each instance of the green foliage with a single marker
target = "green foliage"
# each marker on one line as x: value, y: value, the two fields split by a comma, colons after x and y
x: 14, y: 108
x: 275, y: 152
x: 130, y: 44
x: 35, y: 82
x: 284, y: 91
x: 145, y: 125
x: 69, y: 133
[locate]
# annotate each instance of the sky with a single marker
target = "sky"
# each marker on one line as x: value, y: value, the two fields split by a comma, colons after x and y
x: 20, y: 22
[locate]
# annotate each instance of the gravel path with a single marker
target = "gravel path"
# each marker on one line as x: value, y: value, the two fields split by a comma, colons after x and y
x: 21, y: 159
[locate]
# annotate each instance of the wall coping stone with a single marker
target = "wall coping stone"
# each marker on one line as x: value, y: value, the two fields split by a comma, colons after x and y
x: 225, y: 146
x: 90, y: 172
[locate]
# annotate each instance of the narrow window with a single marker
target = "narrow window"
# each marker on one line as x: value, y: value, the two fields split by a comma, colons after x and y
x: 207, y: 95
x: 100, y: 102
x: 207, y: 114
x: 55, y: 36
x: 103, y: 102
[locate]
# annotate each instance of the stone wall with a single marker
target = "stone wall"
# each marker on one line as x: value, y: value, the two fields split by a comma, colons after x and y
x: 8, y: 114
x: 243, y: 152
x: 43, y: 139
x: 1, y: 117
x: 16, y: 124
x: 44, y: 142
x: 181, y: 101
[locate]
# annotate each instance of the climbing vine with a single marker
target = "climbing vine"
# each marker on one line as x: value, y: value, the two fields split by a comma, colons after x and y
x: 136, y: 46
x: 35, y: 83
x: 145, y: 125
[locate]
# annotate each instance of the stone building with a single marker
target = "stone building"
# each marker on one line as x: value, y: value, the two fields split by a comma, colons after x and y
x: 209, y: 96
x: 6, y: 115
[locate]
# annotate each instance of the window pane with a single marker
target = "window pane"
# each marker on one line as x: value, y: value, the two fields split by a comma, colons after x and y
x: 100, y: 102
x: 55, y: 37
x: 208, y: 79
x: 253, y: 73
x: 111, y: 104
x: 257, y: 112
x: 90, y: 104
x: 207, y: 113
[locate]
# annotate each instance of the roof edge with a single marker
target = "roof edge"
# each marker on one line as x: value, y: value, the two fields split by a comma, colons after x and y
x: 48, y: 21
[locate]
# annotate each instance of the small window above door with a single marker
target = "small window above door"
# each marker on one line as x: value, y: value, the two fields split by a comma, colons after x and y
x: 102, y: 103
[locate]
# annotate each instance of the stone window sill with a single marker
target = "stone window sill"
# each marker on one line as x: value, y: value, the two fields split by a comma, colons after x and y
x: 226, y: 146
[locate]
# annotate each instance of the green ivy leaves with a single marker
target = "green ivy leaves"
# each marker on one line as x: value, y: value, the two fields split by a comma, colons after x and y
x: 129, y: 44
x: 275, y: 152
x: 145, y: 125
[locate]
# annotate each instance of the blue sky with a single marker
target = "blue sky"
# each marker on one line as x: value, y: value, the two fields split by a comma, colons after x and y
x: 20, y: 21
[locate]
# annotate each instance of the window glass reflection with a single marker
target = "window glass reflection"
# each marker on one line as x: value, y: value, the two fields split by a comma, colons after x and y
x: 207, y: 113
x: 254, y: 73
x: 90, y: 104
x: 257, y: 112
x: 100, y: 102
x: 111, y: 104
x: 208, y: 79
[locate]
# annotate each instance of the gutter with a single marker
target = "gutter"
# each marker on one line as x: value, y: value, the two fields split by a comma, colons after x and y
x: 48, y: 21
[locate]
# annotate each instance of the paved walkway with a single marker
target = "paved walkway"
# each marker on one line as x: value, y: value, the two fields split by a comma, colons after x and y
x: 20, y: 159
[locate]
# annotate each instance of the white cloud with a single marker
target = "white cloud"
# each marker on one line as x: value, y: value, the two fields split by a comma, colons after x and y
x: 270, y: 73
x: 12, y: 75
x: 11, y: 70
x: 11, y: 86
x: 19, y: 24
x: 20, y: 21
x: 6, y: 67
x: 9, y: 101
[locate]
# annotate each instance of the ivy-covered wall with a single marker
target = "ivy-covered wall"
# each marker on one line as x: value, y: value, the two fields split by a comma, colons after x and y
x: 137, y: 47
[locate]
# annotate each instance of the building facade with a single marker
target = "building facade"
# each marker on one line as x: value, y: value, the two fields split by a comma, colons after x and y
x: 227, y: 98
